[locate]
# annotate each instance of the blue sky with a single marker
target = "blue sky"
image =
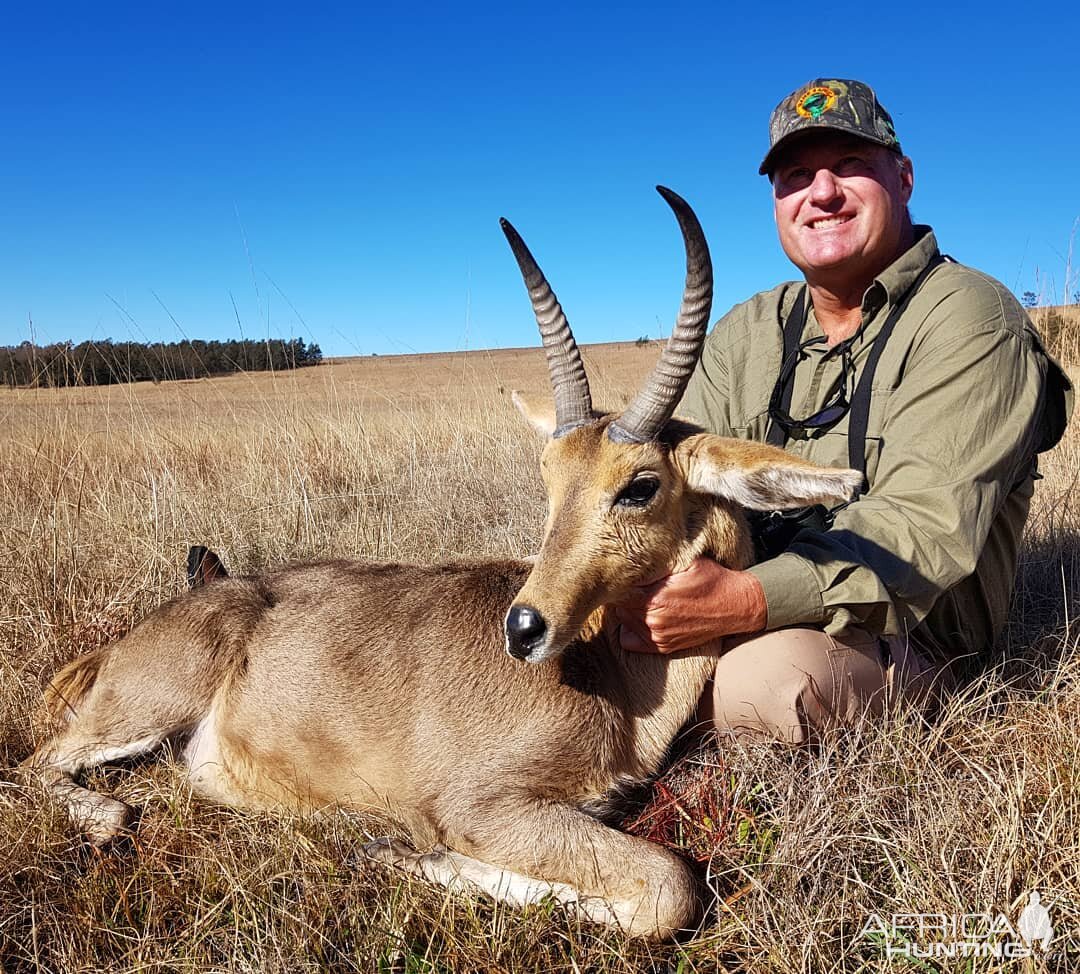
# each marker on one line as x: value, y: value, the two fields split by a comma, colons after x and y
x: 337, y: 172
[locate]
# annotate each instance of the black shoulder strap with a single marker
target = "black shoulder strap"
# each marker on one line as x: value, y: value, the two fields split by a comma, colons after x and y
x: 776, y: 435
x: 859, y: 417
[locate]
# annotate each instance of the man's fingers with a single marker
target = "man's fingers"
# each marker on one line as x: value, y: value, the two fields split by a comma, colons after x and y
x: 633, y: 622
x: 633, y: 643
x: 634, y: 635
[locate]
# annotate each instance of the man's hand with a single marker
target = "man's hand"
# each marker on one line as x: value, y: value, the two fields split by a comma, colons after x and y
x: 691, y: 608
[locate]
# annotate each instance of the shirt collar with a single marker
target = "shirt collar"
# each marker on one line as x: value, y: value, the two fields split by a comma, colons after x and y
x: 896, y: 280
x: 889, y: 287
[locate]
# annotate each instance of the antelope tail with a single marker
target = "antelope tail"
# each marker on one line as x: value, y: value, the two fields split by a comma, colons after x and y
x: 67, y: 689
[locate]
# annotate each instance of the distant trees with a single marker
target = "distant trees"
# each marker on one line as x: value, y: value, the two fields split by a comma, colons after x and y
x: 105, y: 362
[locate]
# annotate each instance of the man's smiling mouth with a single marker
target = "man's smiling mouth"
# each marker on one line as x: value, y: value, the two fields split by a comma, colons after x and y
x: 826, y: 222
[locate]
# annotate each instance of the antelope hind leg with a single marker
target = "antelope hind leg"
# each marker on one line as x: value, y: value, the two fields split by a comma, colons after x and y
x: 99, y: 817
x: 97, y: 736
x: 116, y: 703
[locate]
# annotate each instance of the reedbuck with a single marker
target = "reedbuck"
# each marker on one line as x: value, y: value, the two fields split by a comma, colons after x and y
x: 403, y: 688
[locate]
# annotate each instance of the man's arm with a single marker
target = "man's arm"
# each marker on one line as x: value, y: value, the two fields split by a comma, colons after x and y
x: 691, y: 608
x: 959, y: 435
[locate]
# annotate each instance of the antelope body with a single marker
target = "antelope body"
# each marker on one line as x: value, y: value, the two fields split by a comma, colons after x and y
x: 402, y: 688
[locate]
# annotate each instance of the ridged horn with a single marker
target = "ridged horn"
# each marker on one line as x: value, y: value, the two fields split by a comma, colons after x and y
x: 573, y: 404
x: 643, y: 419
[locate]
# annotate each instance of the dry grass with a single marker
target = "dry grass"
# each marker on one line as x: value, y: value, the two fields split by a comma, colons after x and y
x: 423, y: 458
x: 1060, y: 327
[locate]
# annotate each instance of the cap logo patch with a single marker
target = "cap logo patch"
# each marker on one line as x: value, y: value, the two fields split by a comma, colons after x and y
x: 815, y: 102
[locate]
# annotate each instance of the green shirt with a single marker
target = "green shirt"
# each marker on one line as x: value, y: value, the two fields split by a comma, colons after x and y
x: 960, y: 404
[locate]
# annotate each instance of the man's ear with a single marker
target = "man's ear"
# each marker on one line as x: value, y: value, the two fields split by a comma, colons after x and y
x: 760, y: 477
x: 541, y: 418
x: 907, y: 180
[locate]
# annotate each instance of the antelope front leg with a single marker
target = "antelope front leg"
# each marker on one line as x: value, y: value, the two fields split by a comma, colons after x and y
x: 525, y: 853
x: 463, y: 874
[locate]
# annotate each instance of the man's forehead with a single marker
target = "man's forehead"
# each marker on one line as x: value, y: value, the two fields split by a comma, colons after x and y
x: 824, y: 142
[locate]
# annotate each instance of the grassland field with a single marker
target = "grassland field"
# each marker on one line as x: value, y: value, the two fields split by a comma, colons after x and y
x: 423, y: 458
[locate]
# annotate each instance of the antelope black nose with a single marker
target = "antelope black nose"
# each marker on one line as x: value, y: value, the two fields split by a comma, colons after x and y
x: 525, y: 630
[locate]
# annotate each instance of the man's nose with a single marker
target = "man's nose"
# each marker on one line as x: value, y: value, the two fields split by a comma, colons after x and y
x: 824, y: 188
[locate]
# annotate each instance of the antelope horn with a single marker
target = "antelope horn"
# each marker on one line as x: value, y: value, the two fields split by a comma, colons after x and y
x: 643, y: 419
x: 573, y: 404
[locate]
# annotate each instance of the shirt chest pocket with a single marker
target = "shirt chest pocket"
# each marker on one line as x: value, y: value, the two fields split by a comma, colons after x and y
x: 832, y: 451
x: 830, y: 448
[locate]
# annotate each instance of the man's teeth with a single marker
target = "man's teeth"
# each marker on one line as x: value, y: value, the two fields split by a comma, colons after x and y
x: 832, y: 221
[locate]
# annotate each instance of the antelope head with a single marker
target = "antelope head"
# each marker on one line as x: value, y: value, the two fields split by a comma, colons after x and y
x: 636, y: 496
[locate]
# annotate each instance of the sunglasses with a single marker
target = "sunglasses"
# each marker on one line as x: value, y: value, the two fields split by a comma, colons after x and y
x: 829, y: 414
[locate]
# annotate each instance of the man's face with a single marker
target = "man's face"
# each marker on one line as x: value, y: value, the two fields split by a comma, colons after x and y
x: 840, y: 203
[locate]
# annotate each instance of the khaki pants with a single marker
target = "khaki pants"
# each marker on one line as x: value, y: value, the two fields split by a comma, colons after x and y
x: 791, y: 684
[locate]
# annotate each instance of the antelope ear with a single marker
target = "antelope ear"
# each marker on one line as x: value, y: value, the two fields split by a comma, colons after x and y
x: 541, y: 418
x: 761, y: 477
x: 203, y: 566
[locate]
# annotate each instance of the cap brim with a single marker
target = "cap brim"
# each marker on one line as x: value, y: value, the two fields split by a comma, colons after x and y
x: 769, y: 162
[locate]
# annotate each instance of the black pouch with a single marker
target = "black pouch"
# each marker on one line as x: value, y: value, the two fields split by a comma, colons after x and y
x: 773, y: 531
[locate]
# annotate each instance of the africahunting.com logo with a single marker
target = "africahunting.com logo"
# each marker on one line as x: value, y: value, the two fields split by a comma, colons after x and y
x: 942, y: 935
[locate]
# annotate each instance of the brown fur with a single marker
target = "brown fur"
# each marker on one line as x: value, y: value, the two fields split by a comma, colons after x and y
x: 373, y: 686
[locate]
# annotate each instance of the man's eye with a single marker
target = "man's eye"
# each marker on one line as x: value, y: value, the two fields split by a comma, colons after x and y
x: 638, y: 492
x: 849, y: 165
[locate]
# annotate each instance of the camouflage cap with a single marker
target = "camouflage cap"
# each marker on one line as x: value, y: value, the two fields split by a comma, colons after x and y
x: 829, y: 103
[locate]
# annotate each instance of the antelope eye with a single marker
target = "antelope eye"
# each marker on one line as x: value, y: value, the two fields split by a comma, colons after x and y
x: 638, y: 492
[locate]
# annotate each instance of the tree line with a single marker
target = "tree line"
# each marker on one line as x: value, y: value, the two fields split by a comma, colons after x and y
x: 105, y: 362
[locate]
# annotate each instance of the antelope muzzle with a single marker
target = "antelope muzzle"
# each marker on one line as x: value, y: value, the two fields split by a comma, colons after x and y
x: 526, y: 634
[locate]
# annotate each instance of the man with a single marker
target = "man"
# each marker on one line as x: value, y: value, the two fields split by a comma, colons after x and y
x: 948, y: 395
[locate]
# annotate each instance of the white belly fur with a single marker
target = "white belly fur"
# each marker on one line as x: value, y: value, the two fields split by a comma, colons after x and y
x: 205, y: 762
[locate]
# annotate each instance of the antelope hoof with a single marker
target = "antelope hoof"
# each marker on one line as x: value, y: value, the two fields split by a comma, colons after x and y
x: 105, y: 821
x: 391, y: 852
